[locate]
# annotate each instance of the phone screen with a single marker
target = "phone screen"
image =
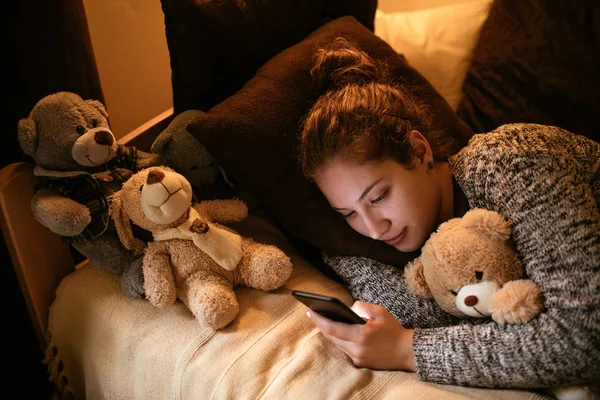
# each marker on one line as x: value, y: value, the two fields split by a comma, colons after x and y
x: 329, y: 307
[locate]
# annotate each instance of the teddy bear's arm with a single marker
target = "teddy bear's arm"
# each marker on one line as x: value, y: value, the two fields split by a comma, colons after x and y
x: 227, y: 210
x: 518, y: 302
x: 60, y: 214
x: 159, y: 283
x: 145, y: 160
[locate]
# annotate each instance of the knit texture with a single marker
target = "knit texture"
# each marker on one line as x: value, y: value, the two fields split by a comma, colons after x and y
x: 546, y: 181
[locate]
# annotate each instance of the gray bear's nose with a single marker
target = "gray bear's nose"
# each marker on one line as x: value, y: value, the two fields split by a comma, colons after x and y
x: 154, y: 177
x: 103, y: 137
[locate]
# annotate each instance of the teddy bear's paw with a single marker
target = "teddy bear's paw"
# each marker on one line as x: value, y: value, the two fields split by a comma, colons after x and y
x: 146, y: 160
x: 132, y: 280
x: 518, y: 302
x: 264, y: 267
x: 221, y: 316
x: 212, y: 302
x: 61, y: 215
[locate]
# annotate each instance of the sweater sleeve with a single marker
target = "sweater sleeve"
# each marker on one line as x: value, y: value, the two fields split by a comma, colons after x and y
x: 556, y: 227
x: 375, y: 282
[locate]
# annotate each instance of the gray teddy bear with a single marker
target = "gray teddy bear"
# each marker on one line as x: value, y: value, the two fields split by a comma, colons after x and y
x: 187, y: 156
x: 80, y: 165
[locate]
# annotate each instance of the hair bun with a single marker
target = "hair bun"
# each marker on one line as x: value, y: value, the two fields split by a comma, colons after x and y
x: 342, y: 63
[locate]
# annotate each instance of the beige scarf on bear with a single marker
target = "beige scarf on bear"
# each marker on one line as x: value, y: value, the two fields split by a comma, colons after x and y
x: 222, y: 245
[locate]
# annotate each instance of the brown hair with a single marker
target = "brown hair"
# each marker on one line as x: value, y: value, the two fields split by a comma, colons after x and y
x: 362, y: 116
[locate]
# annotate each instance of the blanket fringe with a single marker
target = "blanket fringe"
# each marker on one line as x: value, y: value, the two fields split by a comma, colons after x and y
x: 57, y: 374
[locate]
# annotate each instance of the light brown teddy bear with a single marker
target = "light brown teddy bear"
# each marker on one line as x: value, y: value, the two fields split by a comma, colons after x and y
x: 192, y: 257
x: 470, y: 269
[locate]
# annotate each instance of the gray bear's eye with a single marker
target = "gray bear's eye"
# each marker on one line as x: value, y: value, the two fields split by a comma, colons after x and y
x: 478, y: 275
x: 80, y: 130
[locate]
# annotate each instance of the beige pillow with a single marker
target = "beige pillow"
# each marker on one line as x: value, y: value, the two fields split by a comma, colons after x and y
x: 438, y: 42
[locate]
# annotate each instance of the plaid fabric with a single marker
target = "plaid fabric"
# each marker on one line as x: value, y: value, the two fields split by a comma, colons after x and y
x: 95, y: 190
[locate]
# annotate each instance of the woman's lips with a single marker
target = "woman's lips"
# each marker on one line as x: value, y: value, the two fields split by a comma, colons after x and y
x: 396, y: 239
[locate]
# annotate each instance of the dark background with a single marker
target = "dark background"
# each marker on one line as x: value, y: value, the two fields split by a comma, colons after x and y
x: 49, y: 50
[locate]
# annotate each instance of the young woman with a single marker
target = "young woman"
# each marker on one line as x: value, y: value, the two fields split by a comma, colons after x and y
x: 370, y: 149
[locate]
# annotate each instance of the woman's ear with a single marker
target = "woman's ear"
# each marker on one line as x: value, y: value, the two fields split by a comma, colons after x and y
x: 415, y: 279
x: 421, y: 148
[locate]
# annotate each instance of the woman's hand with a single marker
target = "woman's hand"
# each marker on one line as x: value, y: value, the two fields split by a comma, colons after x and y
x: 381, y: 343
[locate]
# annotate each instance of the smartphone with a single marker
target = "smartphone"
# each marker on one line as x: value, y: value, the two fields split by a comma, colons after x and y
x: 329, y: 307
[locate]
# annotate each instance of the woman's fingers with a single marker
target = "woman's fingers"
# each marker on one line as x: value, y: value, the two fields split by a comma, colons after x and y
x: 336, y: 333
x: 369, y: 311
x: 341, y: 330
x: 381, y: 343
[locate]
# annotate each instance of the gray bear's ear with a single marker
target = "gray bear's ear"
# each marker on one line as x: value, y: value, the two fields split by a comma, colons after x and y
x: 161, y: 141
x: 98, y: 106
x: 28, y: 138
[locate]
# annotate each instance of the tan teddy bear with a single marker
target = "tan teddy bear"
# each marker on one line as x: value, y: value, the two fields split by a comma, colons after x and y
x: 470, y: 269
x: 192, y: 257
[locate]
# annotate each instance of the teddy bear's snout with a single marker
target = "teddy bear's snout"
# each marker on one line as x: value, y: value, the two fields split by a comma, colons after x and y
x: 103, y: 138
x: 474, y: 300
x: 165, y: 197
x: 471, y: 300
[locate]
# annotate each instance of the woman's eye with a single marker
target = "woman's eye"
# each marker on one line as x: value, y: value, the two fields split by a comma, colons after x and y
x: 454, y: 293
x: 80, y: 130
x: 350, y: 214
x: 380, y: 198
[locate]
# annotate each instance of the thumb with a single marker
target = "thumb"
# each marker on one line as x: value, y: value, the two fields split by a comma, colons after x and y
x: 363, y: 309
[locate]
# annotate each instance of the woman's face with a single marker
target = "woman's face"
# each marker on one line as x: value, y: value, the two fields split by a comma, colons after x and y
x: 385, y: 200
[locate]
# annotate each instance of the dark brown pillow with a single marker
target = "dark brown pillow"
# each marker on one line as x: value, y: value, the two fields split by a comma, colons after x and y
x: 536, y: 61
x: 217, y: 46
x: 253, y: 136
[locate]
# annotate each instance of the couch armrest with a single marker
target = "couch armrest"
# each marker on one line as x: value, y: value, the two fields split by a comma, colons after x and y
x: 41, y: 258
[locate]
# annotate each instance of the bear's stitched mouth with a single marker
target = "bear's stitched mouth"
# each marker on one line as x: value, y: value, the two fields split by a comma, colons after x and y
x: 479, y: 312
x: 103, y: 161
x: 169, y: 196
x: 166, y: 203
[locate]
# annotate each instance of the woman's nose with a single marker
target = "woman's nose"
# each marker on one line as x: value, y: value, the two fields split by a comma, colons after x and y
x: 376, y: 226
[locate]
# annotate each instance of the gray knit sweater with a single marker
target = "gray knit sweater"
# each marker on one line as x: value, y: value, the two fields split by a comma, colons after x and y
x: 546, y: 181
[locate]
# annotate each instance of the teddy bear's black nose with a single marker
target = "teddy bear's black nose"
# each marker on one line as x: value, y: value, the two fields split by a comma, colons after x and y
x: 103, y: 137
x: 471, y: 301
x: 154, y: 176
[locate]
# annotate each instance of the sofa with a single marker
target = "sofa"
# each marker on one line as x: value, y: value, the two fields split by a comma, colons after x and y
x: 473, y: 62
